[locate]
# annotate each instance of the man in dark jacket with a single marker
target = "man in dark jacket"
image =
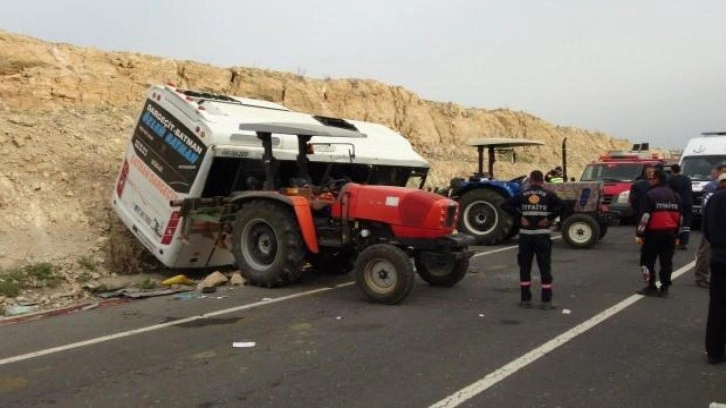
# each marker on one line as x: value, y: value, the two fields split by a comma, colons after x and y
x: 536, y: 208
x: 681, y: 184
x: 638, y: 190
x: 657, y: 230
x: 703, y: 253
x: 713, y: 230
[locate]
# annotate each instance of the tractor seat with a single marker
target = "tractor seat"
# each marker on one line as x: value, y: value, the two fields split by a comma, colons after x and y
x: 456, y: 182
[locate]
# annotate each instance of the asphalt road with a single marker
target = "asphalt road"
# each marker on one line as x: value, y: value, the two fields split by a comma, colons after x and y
x: 331, y: 348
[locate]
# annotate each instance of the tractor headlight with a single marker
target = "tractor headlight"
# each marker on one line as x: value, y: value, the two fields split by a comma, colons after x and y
x: 624, y: 197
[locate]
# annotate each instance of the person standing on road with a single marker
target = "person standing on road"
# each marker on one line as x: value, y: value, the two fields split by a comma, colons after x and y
x: 536, y: 208
x: 703, y: 253
x: 714, y: 219
x: 657, y: 231
x: 681, y: 184
x: 639, y: 189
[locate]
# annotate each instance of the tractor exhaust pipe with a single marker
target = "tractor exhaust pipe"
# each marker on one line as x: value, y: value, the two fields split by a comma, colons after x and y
x: 564, y: 159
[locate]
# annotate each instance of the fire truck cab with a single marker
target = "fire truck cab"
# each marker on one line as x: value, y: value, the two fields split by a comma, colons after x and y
x: 618, y: 170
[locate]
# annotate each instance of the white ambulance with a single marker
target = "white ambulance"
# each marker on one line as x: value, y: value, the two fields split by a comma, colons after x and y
x: 187, y: 144
x: 699, y: 157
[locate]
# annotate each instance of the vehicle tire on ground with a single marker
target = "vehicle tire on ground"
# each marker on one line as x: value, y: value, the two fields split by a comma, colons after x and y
x: 333, y: 263
x: 384, y: 273
x: 581, y: 231
x: 482, y: 217
x: 267, y: 244
x: 440, y: 270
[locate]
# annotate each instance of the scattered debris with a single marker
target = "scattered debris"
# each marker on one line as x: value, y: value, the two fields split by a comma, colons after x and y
x: 15, y: 310
x: 91, y: 306
x: 178, y: 280
x: 266, y: 299
x: 187, y: 296
x: 338, y: 317
x: 136, y: 293
x: 209, y: 289
x: 217, y: 278
x: 566, y: 311
x: 237, y: 279
x: 243, y: 344
x: 481, y: 315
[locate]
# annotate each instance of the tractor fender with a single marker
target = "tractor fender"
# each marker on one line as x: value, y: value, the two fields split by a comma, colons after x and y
x: 301, y: 207
x: 497, y: 186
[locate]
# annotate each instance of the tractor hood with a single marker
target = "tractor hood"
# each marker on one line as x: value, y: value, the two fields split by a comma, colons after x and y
x: 410, y: 213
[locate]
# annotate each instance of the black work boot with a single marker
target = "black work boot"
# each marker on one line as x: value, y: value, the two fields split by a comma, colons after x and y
x: 648, y: 291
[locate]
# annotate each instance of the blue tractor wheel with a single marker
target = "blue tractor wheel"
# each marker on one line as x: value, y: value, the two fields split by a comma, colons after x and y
x: 482, y: 217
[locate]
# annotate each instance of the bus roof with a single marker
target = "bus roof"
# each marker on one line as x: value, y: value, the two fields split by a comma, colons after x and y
x: 231, y: 120
x: 300, y: 129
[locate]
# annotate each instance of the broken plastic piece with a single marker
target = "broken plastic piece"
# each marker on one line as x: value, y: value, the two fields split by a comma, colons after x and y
x: 16, y: 310
x: 566, y: 311
x: 243, y: 344
x: 178, y: 280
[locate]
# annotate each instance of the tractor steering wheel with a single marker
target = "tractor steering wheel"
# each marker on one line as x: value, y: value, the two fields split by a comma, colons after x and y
x: 334, y: 185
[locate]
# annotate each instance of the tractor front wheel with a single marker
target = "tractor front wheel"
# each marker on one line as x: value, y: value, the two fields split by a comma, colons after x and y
x: 441, y: 269
x: 581, y: 231
x: 384, y: 273
x: 267, y: 244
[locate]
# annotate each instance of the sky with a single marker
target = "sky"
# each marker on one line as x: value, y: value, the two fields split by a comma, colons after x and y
x: 643, y: 70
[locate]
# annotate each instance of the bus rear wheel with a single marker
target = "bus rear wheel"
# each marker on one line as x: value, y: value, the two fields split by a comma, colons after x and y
x: 267, y: 244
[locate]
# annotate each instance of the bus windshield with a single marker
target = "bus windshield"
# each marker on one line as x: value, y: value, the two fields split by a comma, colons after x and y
x: 699, y: 167
x: 167, y: 147
x: 612, y: 172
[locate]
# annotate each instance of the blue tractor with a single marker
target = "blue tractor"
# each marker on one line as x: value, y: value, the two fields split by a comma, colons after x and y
x: 584, y: 222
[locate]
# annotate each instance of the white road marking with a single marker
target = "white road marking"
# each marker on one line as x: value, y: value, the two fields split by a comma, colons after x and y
x: 160, y: 326
x: 264, y: 302
x: 512, y: 367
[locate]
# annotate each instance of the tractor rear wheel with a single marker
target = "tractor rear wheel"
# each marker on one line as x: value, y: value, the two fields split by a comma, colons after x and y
x: 483, y: 218
x: 440, y: 269
x: 384, y: 273
x: 581, y: 231
x: 267, y: 244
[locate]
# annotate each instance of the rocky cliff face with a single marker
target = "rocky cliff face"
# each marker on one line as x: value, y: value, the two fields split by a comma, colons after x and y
x: 66, y: 113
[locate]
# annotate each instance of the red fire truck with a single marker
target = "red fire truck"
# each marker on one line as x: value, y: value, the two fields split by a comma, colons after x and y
x: 618, y: 170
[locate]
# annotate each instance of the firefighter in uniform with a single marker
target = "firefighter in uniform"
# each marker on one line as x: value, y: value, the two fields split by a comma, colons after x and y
x: 657, y: 233
x: 536, y: 208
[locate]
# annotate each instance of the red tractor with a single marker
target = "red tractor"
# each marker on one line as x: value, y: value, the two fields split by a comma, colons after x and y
x: 375, y: 230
